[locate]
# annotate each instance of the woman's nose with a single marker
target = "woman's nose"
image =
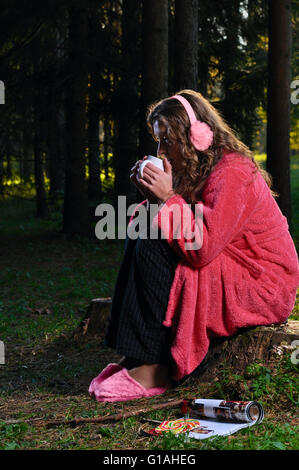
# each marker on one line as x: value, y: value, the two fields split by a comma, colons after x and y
x: 160, y: 150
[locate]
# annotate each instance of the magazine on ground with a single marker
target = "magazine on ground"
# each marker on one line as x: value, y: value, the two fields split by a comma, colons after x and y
x: 205, y: 418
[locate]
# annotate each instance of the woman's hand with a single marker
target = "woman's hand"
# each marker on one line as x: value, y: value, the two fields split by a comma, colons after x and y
x: 135, y: 180
x: 157, y: 182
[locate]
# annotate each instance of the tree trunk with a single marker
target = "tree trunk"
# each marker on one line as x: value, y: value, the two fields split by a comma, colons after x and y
x: 75, y: 197
x: 155, y: 64
x: 27, y: 139
x: 41, y: 197
x: 38, y: 113
x: 27, y: 157
x: 1, y: 172
x: 126, y: 148
x: 278, y: 113
x: 94, y: 180
x: 106, y: 146
x: 53, y: 128
x: 8, y: 170
x: 186, y: 44
x: 56, y: 163
x: 56, y: 158
x: 229, y: 61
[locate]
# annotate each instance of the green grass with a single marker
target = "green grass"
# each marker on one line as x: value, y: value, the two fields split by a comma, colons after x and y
x: 46, y: 284
x: 42, y: 269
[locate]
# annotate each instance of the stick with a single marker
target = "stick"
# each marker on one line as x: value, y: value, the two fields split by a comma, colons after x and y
x: 15, y: 421
x: 115, y: 417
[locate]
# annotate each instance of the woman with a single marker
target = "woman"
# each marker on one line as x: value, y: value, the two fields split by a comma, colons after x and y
x: 170, y: 299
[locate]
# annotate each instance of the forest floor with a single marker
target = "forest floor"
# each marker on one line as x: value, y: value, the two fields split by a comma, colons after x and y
x: 46, y: 285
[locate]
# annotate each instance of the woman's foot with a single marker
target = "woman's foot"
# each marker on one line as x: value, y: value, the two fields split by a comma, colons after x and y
x: 148, y: 375
x: 151, y: 375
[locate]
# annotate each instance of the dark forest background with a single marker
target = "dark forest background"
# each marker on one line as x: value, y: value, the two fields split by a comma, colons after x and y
x: 79, y: 74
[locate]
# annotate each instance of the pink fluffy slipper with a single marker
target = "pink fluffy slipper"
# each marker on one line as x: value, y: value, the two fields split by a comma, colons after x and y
x: 122, y: 387
x: 105, y: 374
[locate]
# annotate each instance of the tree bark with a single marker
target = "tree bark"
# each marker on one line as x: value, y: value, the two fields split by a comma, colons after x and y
x: 8, y: 171
x: 127, y: 122
x: 231, y: 22
x: 53, y: 121
x: 186, y: 44
x: 75, y: 198
x: 95, y: 320
x: 106, y: 144
x: 94, y: 179
x: 1, y: 172
x: 27, y: 156
x: 106, y: 132
x: 41, y: 197
x: 247, y: 346
x: 56, y: 155
x: 56, y: 163
x: 155, y: 64
x: 38, y: 111
x: 278, y: 112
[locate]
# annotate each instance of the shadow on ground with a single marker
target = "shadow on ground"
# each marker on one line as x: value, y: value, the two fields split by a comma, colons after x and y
x: 63, y: 366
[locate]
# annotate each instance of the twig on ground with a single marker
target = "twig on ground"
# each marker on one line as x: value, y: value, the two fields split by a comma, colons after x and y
x: 115, y: 417
x: 16, y: 421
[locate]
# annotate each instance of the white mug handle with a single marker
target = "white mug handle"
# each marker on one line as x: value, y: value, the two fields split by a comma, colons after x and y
x: 142, y: 165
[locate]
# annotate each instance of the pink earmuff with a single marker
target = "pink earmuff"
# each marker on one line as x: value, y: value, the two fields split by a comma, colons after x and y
x: 200, y: 134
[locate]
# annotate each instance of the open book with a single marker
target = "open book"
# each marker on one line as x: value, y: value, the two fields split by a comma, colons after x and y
x: 205, y: 418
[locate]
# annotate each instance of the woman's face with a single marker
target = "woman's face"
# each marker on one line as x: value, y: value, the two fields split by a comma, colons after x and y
x: 170, y: 149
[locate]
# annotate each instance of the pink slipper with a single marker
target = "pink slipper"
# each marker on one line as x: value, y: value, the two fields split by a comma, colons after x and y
x: 122, y: 387
x: 105, y: 374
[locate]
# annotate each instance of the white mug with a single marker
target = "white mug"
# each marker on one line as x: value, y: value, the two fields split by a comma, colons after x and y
x: 154, y: 160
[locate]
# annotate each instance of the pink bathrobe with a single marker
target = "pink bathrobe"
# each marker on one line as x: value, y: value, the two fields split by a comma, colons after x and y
x: 246, y: 271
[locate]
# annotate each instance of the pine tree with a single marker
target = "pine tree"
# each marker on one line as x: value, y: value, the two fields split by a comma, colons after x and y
x: 278, y: 123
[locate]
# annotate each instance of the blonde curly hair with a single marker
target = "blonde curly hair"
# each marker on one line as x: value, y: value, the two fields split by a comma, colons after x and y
x: 197, y: 165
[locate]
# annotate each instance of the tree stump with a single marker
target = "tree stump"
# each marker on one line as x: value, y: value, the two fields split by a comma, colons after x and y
x: 96, y: 318
x: 248, y: 345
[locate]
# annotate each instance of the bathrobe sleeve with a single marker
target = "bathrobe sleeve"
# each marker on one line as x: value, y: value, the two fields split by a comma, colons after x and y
x: 201, y: 234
